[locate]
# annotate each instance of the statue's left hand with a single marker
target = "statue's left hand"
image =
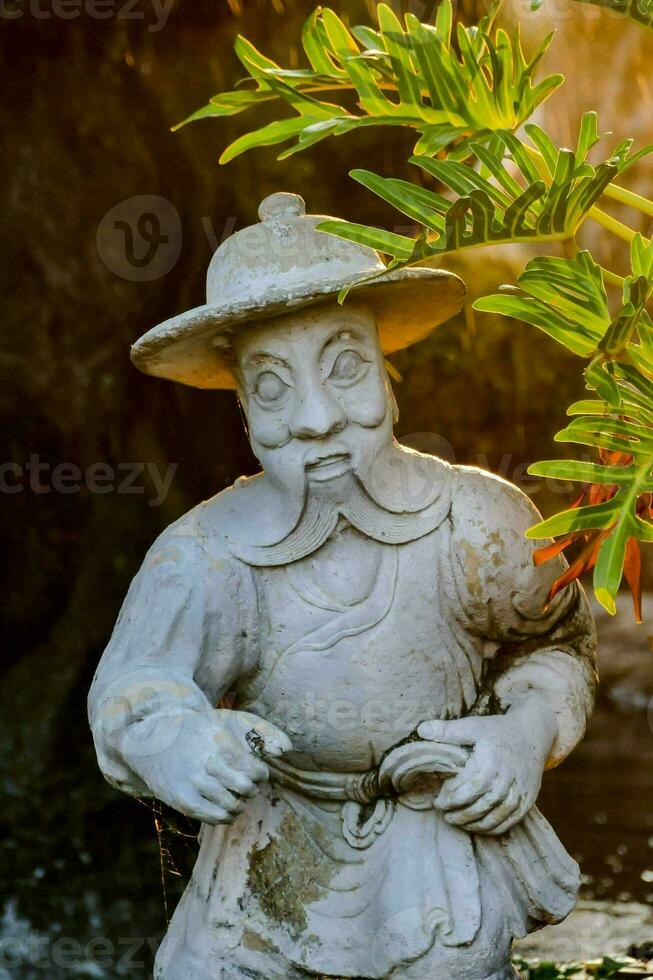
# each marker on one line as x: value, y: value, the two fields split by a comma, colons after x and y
x: 501, y: 780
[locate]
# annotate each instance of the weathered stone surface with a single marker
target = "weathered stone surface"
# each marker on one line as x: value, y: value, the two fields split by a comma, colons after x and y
x: 399, y: 687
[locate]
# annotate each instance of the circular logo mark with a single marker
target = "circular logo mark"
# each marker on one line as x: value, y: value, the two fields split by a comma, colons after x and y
x: 140, y: 238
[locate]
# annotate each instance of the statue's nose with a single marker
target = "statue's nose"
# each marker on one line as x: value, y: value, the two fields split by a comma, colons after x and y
x: 317, y: 416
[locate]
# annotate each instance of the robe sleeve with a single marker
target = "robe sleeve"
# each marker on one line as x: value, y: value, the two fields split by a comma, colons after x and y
x: 528, y: 649
x: 185, y: 633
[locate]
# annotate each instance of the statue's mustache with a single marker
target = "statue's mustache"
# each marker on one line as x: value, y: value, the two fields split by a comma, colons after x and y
x: 324, y: 505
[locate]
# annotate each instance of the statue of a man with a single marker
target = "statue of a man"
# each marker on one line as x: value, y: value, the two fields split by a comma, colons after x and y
x: 374, y: 614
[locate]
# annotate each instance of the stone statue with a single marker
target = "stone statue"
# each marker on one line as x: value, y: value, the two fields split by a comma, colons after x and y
x: 375, y: 620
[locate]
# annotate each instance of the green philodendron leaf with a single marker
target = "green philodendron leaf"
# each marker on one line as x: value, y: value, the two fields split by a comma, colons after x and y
x: 540, y: 315
x: 598, y: 378
x: 632, y: 407
x: 378, y: 238
x: 589, y: 406
x: 491, y: 160
x: 318, y: 49
x: 564, y: 297
x: 571, y: 287
x: 614, y: 434
x: 228, y: 104
x: 273, y: 133
x: 407, y: 72
x: 617, y: 517
x: 628, y: 431
x: 501, y: 204
x: 641, y: 257
x: 581, y: 472
x: 591, y: 518
x: 609, y: 566
x: 633, y: 317
x: 413, y: 201
x: 545, y: 145
x: 588, y: 136
x: 621, y: 329
x: 397, y: 43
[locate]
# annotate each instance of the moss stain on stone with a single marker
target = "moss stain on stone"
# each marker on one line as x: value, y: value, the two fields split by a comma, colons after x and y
x: 288, y: 874
x: 252, y: 940
x: 472, y: 568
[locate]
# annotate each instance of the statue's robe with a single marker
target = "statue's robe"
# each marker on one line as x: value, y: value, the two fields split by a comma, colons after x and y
x: 443, y: 626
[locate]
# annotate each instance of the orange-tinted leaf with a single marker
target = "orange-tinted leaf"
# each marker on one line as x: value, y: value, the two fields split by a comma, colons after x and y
x: 598, y: 492
x: 551, y: 550
x: 592, y: 494
x: 581, y: 564
x: 614, y: 457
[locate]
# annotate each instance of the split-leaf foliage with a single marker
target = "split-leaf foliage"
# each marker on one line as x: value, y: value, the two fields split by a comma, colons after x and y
x: 485, y: 175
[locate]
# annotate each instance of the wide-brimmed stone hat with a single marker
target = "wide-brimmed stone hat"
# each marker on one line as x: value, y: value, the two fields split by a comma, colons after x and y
x: 282, y: 265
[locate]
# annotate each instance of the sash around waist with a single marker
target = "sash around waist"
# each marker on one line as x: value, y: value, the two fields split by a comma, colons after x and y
x: 361, y: 787
x: 413, y: 772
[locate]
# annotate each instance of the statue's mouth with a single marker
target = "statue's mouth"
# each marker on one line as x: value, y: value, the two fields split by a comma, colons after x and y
x: 328, y: 466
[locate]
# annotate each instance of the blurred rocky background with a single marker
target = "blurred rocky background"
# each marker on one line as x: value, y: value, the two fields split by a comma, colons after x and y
x: 90, y: 91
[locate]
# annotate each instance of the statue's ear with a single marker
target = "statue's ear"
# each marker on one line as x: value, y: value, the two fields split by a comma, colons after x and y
x: 392, y: 398
x: 243, y: 412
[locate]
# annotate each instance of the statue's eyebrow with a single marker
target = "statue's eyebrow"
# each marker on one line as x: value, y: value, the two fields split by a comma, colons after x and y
x: 346, y: 331
x: 258, y: 356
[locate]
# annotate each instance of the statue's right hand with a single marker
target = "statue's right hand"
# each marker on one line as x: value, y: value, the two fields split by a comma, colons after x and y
x: 209, y: 763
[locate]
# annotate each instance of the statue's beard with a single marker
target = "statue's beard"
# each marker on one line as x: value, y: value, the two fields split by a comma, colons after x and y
x: 324, y: 505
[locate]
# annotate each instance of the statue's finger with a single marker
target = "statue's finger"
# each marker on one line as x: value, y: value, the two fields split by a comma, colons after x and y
x: 261, y: 736
x: 499, y: 815
x: 197, y: 807
x: 510, y: 821
x: 462, y: 731
x: 217, y: 794
x: 235, y: 780
x: 482, y: 807
x: 235, y: 754
x: 248, y: 764
x: 464, y: 789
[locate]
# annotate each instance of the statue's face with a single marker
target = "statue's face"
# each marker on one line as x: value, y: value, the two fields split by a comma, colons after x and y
x: 315, y: 392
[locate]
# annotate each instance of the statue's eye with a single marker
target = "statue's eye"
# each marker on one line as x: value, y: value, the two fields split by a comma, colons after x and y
x: 348, y: 366
x: 270, y: 387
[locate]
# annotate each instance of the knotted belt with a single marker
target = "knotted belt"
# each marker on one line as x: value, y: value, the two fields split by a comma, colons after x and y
x: 410, y: 774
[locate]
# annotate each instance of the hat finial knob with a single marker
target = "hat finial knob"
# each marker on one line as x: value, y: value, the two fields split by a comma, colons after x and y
x: 281, y: 205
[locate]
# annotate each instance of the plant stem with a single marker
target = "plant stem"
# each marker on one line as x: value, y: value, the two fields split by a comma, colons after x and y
x: 630, y: 198
x: 617, y: 228
x: 613, y: 278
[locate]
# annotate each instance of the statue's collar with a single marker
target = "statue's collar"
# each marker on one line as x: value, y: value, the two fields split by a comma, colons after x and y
x: 405, y: 495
